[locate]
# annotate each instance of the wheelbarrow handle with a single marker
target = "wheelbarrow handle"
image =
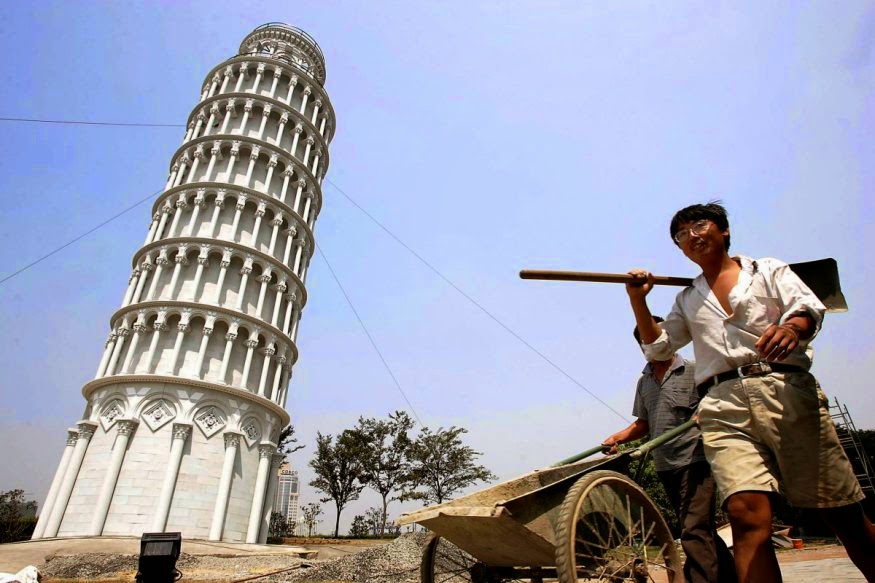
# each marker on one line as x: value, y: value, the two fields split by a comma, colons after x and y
x: 665, y: 437
x: 635, y: 454
x: 580, y: 456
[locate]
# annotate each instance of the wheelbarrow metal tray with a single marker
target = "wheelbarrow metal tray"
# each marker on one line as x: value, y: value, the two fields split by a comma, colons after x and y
x: 511, y: 523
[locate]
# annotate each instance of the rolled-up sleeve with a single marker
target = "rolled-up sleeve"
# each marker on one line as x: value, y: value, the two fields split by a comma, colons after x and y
x: 675, y: 334
x: 796, y: 297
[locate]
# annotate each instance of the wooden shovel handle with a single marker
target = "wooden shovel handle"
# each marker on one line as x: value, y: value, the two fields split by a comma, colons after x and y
x: 600, y: 277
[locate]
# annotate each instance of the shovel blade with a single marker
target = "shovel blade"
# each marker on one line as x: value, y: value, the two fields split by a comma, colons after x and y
x: 822, y: 276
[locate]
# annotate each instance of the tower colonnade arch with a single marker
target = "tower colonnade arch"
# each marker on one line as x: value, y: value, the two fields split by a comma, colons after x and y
x: 184, y: 412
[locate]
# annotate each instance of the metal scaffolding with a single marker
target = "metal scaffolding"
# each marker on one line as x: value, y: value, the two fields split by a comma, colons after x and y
x: 849, y: 439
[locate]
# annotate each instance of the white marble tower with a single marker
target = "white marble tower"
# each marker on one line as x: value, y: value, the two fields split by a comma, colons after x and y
x: 182, y: 417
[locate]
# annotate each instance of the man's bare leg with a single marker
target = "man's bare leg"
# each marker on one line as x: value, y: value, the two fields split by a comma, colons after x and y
x: 856, y: 533
x: 750, y: 514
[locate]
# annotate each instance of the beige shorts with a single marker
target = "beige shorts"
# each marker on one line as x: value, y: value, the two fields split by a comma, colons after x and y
x: 774, y: 433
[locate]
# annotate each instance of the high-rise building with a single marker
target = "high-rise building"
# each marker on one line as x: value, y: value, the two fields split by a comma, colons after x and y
x: 287, y: 501
x: 180, y: 428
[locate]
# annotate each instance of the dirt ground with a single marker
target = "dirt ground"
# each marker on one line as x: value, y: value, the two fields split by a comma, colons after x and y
x: 109, y: 560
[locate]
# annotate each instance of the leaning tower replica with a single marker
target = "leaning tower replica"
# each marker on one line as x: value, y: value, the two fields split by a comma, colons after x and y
x: 183, y: 416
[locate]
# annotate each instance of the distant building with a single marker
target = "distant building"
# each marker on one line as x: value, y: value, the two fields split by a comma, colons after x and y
x: 287, y: 501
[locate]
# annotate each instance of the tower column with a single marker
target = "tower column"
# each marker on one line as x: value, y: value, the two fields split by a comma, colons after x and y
x: 86, y: 432
x: 232, y: 442
x: 202, y: 351
x: 139, y: 329
x: 268, y: 353
x: 223, y: 270
x: 275, y: 461
x: 145, y: 268
x: 181, y: 431
x: 230, y: 111
x: 298, y: 130
x: 166, y: 211
x: 284, y: 119
x: 220, y: 204
x: 214, y: 111
x: 202, y: 262
x: 277, y: 377
x: 121, y: 334
x: 180, y: 260
x: 124, y: 428
x: 181, y: 330
x: 72, y: 436
x: 161, y: 261
x: 280, y: 288
x: 107, y: 353
x: 265, y: 452
x: 251, y: 344
x: 132, y: 285
x: 153, y: 228
x: 226, y: 357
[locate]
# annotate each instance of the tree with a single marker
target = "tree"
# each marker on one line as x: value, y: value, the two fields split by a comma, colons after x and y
x: 374, y: 520
x: 385, y: 456
x: 441, y: 465
x: 16, y: 516
x: 338, y: 469
x: 287, y: 443
x: 278, y: 525
x: 359, y: 527
x: 311, y: 513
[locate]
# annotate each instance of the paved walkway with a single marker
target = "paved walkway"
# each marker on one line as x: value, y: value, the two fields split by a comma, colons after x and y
x: 819, y: 565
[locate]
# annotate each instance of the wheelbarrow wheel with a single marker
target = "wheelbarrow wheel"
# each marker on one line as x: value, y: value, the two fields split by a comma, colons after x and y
x: 442, y: 561
x: 610, y: 530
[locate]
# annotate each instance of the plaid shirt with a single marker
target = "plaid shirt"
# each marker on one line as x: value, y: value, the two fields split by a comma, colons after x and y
x: 667, y: 405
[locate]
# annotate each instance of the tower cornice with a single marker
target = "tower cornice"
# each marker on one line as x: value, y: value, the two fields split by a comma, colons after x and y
x: 264, y: 100
x: 96, y: 384
x: 219, y: 244
x: 200, y: 309
x: 262, y: 145
x: 230, y: 189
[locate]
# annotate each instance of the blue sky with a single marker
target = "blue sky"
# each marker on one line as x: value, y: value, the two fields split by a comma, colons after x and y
x: 489, y: 137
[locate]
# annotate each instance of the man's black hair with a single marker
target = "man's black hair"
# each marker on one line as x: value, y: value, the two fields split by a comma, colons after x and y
x: 713, y: 211
x: 637, y: 334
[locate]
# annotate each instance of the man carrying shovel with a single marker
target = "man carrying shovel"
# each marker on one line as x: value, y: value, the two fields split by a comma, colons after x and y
x: 764, y: 420
x: 666, y: 398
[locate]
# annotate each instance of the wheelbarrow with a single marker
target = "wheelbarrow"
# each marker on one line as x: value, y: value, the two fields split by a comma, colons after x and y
x: 577, y: 520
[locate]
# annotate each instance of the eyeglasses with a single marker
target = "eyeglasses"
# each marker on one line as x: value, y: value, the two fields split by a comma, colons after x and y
x: 698, y: 229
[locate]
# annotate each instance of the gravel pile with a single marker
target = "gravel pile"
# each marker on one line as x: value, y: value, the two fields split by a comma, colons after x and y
x: 395, y: 562
x: 88, y: 565
x: 194, y: 568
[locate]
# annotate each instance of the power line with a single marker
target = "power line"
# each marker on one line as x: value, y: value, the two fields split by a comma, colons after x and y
x: 475, y: 302
x: 91, y: 123
x: 366, y: 213
x: 368, y: 334
x: 83, y: 235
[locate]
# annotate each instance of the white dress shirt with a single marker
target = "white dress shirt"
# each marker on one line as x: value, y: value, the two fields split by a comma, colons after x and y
x: 767, y: 292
